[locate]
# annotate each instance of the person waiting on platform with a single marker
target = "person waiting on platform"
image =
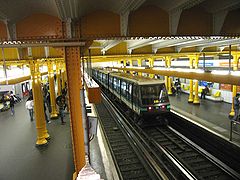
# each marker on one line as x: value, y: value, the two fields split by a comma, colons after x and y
x: 177, y: 85
x: 29, y: 106
x: 204, y: 92
x: 12, y: 102
x: 236, y: 104
x: 61, y: 103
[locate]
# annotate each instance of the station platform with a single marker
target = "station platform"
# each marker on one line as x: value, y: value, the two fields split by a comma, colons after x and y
x: 20, y: 159
x: 210, y: 115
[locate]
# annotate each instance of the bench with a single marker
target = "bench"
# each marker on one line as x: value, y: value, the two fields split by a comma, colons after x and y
x: 215, y: 97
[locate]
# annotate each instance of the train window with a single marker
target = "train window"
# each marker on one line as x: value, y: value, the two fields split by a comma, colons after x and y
x: 110, y: 81
x: 116, y: 84
x: 154, y: 94
x: 129, y: 91
x: 123, y: 88
x: 135, y: 94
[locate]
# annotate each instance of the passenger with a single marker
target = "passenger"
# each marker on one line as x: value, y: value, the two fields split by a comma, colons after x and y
x: 48, y: 102
x: 12, y: 102
x: 61, y: 103
x: 29, y: 106
x: 4, y: 101
x: 45, y: 113
x: 204, y: 92
x: 177, y: 85
x: 236, y: 104
x: 173, y: 90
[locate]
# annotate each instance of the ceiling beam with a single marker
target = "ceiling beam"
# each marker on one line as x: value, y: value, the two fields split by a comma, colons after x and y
x: 130, y: 6
x: 61, y: 9
x: 221, y: 43
x: 109, y: 44
x: 141, y: 43
x: 167, y: 43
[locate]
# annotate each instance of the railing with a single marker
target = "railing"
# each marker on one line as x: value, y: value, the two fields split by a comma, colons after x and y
x: 236, y: 123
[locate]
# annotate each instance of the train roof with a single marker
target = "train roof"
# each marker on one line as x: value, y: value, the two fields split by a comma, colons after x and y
x: 140, y: 80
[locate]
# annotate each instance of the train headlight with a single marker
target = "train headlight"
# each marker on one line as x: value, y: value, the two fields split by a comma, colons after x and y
x: 150, y: 108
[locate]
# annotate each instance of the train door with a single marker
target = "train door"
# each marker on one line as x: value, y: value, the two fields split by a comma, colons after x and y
x: 135, y: 98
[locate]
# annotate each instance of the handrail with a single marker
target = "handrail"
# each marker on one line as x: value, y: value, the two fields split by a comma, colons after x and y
x: 231, y: 128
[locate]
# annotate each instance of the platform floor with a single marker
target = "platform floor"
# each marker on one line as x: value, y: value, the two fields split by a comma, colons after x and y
x: 209, y: 114
x: 20, y: 159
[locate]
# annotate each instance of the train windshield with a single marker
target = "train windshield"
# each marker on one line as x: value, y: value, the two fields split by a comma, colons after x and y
x: 154, y: 94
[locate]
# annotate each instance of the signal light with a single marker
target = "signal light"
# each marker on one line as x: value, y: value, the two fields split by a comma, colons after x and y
x: 150, y: 108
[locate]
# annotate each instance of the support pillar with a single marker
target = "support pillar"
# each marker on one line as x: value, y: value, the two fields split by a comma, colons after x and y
x: 54, y: 113
x: 236, y: 57
x: 72, y: 57
x: 167, y: 78
x: 190, y: 98
x: 151, y: 63
x: 63, y: 72
x: 125, y: 64
x: 139, y: 65
x: 59, y: 92
x: 196, y: 98
x: 42, y: 133
x: 131, y: 65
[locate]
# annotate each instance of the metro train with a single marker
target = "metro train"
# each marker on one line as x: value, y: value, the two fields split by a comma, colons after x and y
x: 146, y: 98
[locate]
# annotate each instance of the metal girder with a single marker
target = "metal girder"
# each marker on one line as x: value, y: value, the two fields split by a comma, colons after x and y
x: 68, y: 28
x: 39, y: 43
x: 61, y: 9
x: 223, y: 79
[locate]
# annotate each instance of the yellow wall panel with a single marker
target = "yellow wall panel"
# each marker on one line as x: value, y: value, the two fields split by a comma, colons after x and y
x: 166, y: 50
x: 38, y: 52
x: 121, y: 48
x: 210, y: 49
x: 143, y: 50
x: 55, y: 52
x: 148, y: 21
x: 9, y: 54
x: 189, y: 49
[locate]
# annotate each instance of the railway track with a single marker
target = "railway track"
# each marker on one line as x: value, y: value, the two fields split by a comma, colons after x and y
x: 130, y: 159
x: 189, y: 157
x: 170, y: 152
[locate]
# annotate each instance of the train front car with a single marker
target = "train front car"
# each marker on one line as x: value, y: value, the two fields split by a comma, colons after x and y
x: 154, y: 101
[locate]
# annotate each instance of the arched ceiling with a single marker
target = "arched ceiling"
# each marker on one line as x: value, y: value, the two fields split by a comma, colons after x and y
x: 12, y: 10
